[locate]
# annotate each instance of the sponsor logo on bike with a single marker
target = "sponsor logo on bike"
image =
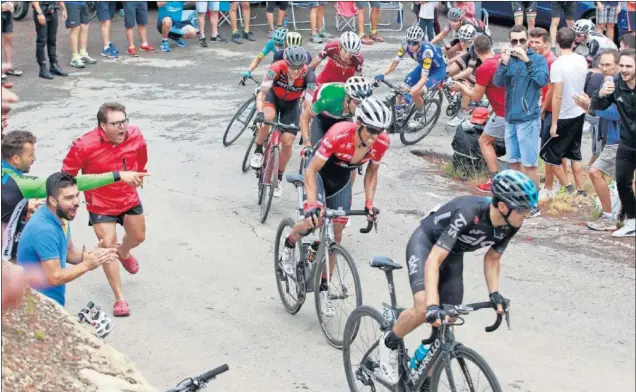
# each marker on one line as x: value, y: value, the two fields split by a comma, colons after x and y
x: 424, y: 364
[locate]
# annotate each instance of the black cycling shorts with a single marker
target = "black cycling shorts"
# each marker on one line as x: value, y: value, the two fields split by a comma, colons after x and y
x: 94, y: 219
x: 451, y: 280
x: 333, y: 199
x: 320, y: 125
x: 288, y: 111
x: 568, y: 8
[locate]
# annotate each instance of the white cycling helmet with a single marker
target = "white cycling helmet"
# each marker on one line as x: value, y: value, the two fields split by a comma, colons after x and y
x: 293, y: 39
x: 583, y: 26
x: 374, y: 113
x: 350, y: 42
x: 467, y: 32
x: 414, y: 33
x: 358, y: 88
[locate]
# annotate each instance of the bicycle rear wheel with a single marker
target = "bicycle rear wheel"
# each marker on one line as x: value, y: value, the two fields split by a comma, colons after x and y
x: 460, y: 376
x: 427, y: 121
x: 232, y: 134
x: 245, y: 166
x: 361, y: 335
x: 292, y: 292
x: 343, y: 297
x: 270, y: 180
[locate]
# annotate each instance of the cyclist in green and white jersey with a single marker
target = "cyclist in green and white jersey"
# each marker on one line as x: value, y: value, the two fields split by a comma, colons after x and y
x: 335, y: 102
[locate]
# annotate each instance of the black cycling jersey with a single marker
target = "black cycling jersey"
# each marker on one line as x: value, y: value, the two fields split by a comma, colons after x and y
x: 463, y: 225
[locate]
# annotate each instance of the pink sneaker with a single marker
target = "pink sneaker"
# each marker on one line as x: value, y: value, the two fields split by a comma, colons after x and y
x: 486, y: 188
x: 130, y: 264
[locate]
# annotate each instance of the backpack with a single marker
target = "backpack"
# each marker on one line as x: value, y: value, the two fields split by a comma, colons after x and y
x: 467, y: 156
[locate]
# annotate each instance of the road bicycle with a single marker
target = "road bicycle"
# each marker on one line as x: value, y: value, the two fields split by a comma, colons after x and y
x: 268, y: 173
x: 443, y: 349
x: 310, y: 257
x: 407, y: 120
x: 197, y: 383
x: 242, y: 117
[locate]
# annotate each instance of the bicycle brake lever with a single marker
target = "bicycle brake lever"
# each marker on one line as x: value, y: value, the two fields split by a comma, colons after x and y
x: 507, y: 316
x: 375, y: 226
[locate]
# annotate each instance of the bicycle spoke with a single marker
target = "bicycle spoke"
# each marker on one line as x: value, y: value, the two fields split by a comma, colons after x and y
x: 464, y: 378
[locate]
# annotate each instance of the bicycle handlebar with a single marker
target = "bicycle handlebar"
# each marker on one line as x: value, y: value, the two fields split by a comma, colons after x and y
x: 457, y: 310
x: 284, y: 127
x: 340, y: 213
x: 196, y: 383
x: 243, y: 80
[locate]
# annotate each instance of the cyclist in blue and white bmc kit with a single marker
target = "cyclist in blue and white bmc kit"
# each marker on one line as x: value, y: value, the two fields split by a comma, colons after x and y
x: 430, y: 69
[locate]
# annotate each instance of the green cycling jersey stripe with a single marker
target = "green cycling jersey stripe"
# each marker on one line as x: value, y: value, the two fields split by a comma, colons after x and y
x: 330, y: 101
x: 35, y: 187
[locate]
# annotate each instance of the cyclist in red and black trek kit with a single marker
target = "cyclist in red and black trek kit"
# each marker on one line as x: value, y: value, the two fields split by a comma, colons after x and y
x: 435, y: 255
x: 345, y: 59
x: 457, y: 18
x: 284, y: 84
x: 345, y: 147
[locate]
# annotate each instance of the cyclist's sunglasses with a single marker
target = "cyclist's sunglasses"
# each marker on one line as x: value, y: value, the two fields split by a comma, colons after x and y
x: 374, y: 131
x: 521, y: 41
x: 295, y: 67
x: 412, y: 43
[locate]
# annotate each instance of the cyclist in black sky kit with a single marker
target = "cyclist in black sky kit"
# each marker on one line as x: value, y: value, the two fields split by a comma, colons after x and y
x: 435, y: 255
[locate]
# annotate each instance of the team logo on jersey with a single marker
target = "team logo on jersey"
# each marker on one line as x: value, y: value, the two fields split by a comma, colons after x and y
x: 467, y: 239
x: 427, y: 63
x: 457, y: 225
x: 442, y: 216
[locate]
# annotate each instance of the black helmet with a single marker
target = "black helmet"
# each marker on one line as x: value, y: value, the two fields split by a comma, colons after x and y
x: 295, y: 56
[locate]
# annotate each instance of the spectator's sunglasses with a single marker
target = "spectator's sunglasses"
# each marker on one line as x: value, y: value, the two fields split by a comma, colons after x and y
x: 412, y: 43
x: 118, y: 124
x: 521, y: 41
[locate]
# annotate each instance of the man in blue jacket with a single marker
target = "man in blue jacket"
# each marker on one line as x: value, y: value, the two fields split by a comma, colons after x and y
x: 524, y: 73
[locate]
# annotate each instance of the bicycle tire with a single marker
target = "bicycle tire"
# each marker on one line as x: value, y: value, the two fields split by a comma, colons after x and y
x: 227, y: 141
x: 271, y: 175
x: 291, y: 309
x: 335, y: 341
x: 463, y: 352
x: 350, y: 333
x: 428, y: 126
x: 246, y: 159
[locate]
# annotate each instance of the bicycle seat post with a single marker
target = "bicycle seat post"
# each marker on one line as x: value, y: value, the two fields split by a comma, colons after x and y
x: 389, y: 279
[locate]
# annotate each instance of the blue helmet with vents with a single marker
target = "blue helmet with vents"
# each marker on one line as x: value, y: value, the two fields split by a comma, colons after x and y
x: 515, y: 189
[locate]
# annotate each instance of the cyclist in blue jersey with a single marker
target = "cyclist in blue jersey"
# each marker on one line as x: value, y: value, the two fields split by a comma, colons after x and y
x: 273, y: 45
x: 430, y: 69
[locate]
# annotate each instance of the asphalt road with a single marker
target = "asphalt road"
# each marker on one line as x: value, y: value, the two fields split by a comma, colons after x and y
x: 205, y: 294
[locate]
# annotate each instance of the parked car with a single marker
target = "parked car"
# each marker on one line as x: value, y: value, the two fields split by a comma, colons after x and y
x: 502, y: 11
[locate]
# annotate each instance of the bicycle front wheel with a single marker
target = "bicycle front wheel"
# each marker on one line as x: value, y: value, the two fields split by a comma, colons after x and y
x: 335, y: 302
x: 239, y: 122
x: 361, y: 336
x: 270, y: 181
x: 290, y: 289
x: 458, y: 376
x: 425, y: 122
x: 246, y: 159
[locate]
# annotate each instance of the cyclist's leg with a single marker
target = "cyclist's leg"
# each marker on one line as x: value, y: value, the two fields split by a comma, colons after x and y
x: 412, y: 80
x: 301, y: 229
x: 269, y: 111
x: 319, y: 126
x: 289, y: 114
x: 340, y: 198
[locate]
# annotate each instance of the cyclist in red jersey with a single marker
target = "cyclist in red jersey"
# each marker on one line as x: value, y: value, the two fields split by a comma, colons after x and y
x: 345, y: 147
x: 284, y: 84
x: 345, y: 59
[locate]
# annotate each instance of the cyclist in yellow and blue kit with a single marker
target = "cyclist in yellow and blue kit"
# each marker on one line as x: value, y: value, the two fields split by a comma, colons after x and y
x: 430, y: 69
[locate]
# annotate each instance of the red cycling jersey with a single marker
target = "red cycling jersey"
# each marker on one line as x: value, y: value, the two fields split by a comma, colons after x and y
x: 338, y: 146
x: 336, y: 69
x: 278, y: 80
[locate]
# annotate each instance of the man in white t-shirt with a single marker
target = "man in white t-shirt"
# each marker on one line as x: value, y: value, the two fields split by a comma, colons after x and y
x: 426, y: 18
x: 568, y: 75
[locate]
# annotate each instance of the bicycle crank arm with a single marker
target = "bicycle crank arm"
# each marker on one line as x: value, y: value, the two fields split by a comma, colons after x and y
x: 340, y: 296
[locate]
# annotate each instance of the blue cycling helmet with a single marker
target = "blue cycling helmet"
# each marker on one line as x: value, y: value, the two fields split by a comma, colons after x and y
x: 279, y: 36
x: 515, y: 189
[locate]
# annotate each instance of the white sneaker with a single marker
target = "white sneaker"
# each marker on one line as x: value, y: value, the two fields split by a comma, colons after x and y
x: 257, y: 161
x: 546, y: 194
x: 604, y: 223
x: 326, y: 307
x: 628, y: 230
x: 388, y: 369
x: 278, y: 191
x: 287, y: 261
x: 455, y: 121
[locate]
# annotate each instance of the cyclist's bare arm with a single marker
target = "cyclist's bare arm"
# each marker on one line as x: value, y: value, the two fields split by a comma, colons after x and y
x: 371, y: 180
x: 260, y: 100
x: 311, y: 185
x: 391, y: 67
x: 492, y: 264
x: 442, y: 34
x: 431, y: 274
x: 255, y: 63
x: 315, y: 61
x: 463, y: 74
x: 305, y: 119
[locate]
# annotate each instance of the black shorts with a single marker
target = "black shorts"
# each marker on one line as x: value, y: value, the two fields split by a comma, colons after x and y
x: 282, y: 5
x: 320, y: 125
x: 451, y: 279
x: 77, y: 14
x: 94, y: 219
x: 7, y: 22
x: 288, y: 111
x: 333, y: 198
x: 530, y: 7
x: 566, y: 145
x: 568, y: 8
x: 106, y: 10
x: 135, y: 12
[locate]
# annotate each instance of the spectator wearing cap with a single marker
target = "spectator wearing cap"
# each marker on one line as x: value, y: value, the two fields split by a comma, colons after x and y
x: 211, y: 9
x: 136, y: 13
x: 374, y: 36
x: 46, y: 21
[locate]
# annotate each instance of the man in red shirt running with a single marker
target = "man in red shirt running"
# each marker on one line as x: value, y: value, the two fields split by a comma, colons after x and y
x: 113, y: 146
x: 496, y: 126
x: 345, y: 59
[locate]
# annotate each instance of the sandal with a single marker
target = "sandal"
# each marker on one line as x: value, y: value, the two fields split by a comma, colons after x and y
x: 130, y: 264
x: 14, y: 72
x: 121, y: 309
